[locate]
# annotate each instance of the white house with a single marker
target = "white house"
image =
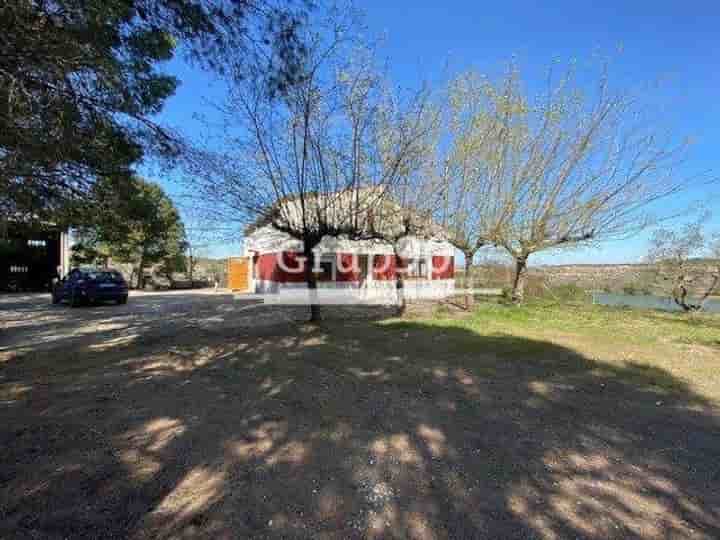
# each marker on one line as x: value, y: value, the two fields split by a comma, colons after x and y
x: 273, y: 260
x: 276, y: 264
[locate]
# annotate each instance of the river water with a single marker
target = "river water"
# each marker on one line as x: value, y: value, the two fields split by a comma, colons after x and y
x: 642, y: 301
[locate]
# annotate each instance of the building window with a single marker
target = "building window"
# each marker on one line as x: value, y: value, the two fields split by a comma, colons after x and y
x: 36, y: 243
x: 417, y: 268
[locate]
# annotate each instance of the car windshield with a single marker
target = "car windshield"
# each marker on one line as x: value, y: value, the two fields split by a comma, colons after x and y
x: 103, y: 275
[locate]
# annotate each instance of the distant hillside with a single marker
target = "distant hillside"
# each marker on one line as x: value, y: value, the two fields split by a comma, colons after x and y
x: 615, y: 277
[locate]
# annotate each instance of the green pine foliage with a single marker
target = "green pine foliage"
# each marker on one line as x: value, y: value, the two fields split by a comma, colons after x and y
x: 81, y: 81
x: 134, y: 223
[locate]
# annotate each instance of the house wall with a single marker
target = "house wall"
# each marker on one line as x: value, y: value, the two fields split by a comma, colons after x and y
x: 384, y: 267
x: 278, y: 265
x: 288, y: 267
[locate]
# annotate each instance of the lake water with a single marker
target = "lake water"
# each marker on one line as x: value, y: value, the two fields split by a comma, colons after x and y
x: 648, y: 302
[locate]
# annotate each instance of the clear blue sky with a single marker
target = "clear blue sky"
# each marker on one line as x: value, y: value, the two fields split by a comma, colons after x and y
x: 676, y: 41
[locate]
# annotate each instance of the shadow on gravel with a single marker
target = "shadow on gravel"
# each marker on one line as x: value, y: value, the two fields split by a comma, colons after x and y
x: 29, y: 322
x: 352, y: 430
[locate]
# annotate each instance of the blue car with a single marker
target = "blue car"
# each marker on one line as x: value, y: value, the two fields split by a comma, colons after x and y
x: 90, y: 286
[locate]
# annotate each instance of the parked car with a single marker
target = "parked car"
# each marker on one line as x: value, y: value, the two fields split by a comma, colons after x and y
x: 91, y: 285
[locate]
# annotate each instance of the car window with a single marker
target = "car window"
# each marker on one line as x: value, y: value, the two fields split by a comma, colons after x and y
x: 103, y: 275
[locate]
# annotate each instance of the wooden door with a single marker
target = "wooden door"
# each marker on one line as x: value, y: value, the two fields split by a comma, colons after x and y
x: 239, y: 273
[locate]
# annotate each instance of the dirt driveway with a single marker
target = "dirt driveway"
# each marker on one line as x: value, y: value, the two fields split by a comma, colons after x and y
x: 29, y: 322
x: 208, y: 419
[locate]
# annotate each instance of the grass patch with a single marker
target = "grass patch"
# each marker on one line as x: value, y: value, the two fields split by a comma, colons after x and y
x: 671, y: 351
x: 593, y: 321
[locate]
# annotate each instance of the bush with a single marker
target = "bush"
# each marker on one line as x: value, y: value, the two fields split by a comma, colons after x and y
x: 629, y: 289
x: 635, y: 288
x: 567, y: 292
x: 506, y: 293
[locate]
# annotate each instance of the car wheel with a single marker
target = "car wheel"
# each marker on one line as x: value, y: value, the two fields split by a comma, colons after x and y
x: 74, y: 300
x: 55, y: 298
x: 123, y: 300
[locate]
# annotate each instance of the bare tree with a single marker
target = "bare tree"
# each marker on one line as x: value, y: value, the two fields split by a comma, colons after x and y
x: 406, y: 215
x: 316, y: 160
x: 681, y: 271
x: 571, y: 166
x: 470, y: 186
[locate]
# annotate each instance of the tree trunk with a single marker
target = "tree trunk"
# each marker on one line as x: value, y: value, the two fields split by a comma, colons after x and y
x: 311, y: 280
x: 468, y: 283
x: 400, y: 286
x: 518, y: 288
x: 141, y: 273
x: 680, y: 296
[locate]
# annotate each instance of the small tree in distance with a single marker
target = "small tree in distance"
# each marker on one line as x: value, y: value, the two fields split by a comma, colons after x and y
x: 681, y: 270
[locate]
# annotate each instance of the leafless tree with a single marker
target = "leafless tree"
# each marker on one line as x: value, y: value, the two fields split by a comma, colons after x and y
x: 469, y: 181
x: 575, y: 165
x: 407, y: 215
x: 318, y: 159
x: 681, y: 271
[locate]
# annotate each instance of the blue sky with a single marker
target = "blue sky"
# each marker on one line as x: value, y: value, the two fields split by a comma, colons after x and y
x: 677, y: 42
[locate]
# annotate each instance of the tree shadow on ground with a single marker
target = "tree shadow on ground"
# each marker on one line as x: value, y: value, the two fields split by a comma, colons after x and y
x: 32, y: 323
x: 354, y: 430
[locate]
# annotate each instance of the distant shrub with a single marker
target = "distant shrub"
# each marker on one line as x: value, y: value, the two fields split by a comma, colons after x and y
x: 637, y: 288
x: 630, y: 289
x: 569, y: 291
x: 506, y: 293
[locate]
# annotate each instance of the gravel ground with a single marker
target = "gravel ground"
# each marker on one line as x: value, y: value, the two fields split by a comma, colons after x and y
x: 200, y: 416
x: 30, y: 322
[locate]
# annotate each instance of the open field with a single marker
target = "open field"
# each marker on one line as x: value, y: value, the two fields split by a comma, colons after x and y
x: 545, y: 422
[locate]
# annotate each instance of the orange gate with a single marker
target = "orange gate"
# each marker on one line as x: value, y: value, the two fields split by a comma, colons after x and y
x: 238, y: 272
